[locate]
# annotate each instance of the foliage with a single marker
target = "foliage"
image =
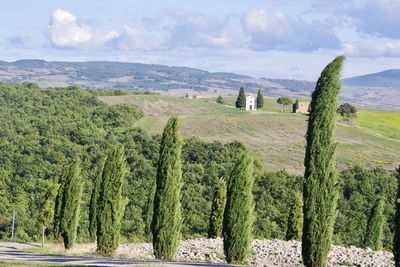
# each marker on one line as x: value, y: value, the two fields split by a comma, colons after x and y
x: 110, y: 202
x: 241, y: 99
x: 374, y: 234
x: 295, y: 221
x: 346, y: 110
x: 47, y: 208
x: 94, y: 199
x: 220, y: 100
x: 297, y: 104
x: 217, y: 209
x: 359, y: 190
x: 396, y: 239
x: 260, y: 99
x: 320, y: 190
x: 239, y: 211
x: 284, y: 101
x: 167, y: 218
x: 148, y: 212
x: 70, y: 204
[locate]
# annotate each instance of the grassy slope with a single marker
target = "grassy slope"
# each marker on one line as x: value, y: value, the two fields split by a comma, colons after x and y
x: 276, y: 138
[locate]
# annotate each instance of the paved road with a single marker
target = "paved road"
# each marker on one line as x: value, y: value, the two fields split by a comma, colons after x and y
x: 14, y: 251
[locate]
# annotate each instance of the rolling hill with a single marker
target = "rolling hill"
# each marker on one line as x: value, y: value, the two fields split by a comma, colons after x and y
x: 387, y: 78
x: 376, y: 90
x: 276, y: 138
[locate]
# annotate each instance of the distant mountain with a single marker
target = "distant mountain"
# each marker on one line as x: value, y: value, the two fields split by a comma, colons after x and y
x: 378, y: 89
x: 387, y: 78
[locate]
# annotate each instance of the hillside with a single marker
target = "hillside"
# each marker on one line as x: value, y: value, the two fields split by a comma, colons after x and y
x: 171, y: 80
x: 276, y: 138
x: 103, y: 74
x: 387, y: 78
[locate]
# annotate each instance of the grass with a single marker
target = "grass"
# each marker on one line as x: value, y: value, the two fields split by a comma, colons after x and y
x: 278, y: 139
x: 383, y: 123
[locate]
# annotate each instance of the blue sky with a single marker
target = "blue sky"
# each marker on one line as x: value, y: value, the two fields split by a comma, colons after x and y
x: 262, y: 38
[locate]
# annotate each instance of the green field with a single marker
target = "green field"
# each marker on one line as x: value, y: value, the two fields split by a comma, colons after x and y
x: 278, y: 139
x: 380, y: 122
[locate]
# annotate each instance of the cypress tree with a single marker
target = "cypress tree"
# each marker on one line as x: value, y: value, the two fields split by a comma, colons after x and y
x: 295, y: 221
x: 220, y: 100
x: 374, y: 233
x: 396, y: 238
x: 71, y: 200
x: 58, y: 207
x: 110, y: 202
x: 167, y: 218
x: 47, y: 209
x: 238, y: 215
x: 217, y: 209
x: 241, y: 99
x: 149, y: 213
x: 296, y: 105
x: 320, y: 192
x: 93, y: 206
x: 260, y: 99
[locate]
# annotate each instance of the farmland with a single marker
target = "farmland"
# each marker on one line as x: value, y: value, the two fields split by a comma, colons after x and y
x: 275, y: 138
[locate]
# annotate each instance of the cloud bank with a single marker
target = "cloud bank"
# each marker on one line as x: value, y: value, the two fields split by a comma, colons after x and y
x: 278, y: 32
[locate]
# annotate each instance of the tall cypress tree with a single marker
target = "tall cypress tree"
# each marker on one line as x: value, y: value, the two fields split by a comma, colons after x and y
x: 71, y: 201
x: 396, y: 238
x: 239, y: 211
x: 374, y: 233
x: 296, y: 105
x: 93, y: 206
x: 110, y: 202
x: 47, y: 209
x: 217, y: 209
x: 167, y: 218
x: 58, y: 207
x: 320, y: 192
x: 260, y: 99
x: 295, y: 221
x: 241, y: 99
x: 149, y: 213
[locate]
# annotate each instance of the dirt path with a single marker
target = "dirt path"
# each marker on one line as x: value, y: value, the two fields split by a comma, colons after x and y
x: 15, y: 251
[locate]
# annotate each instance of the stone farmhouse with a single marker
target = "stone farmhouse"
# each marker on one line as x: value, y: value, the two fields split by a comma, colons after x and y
x: 303, y: 107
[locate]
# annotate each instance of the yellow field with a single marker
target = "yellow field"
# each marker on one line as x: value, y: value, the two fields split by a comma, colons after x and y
x: 380, y: 122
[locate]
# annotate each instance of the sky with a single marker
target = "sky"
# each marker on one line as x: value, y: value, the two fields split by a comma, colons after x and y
x: 291, y: 39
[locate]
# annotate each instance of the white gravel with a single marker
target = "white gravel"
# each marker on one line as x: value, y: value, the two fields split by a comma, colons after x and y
x: 271, y: 253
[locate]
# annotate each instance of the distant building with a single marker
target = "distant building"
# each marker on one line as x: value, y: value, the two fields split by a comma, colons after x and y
x: 302, y: 107
x: 250, y: 103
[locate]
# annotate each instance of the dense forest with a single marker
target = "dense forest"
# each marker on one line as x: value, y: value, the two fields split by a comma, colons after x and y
x: 42, y: 131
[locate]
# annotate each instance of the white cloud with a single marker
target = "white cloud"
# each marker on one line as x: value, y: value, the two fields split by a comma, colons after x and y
x: 373, y: 17
x: 66, y: 32
x: 132, y: 39
x: 372, y: 49
x: 378, y: 17
x: 191, y: 29
x: 279, y: 32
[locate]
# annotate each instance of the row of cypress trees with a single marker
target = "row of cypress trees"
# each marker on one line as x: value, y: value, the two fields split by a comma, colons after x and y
x: 106, y: 205
x: 67, y: 205
x: 232, y: 209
